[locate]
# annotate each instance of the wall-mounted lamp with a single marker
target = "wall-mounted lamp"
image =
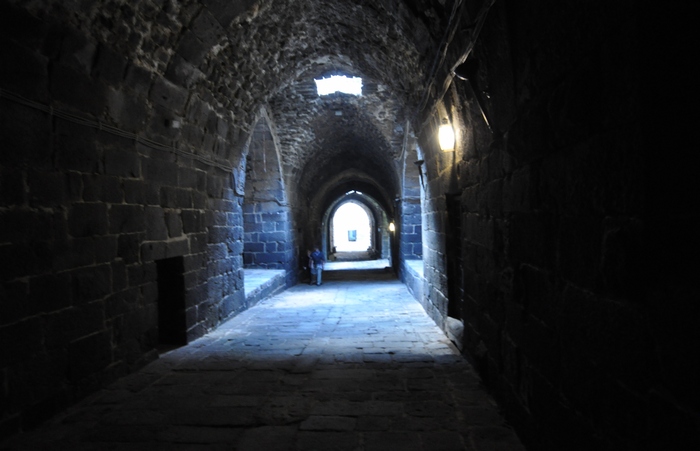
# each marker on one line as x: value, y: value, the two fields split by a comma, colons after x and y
x: 446, y: 136
x: 392, y: 227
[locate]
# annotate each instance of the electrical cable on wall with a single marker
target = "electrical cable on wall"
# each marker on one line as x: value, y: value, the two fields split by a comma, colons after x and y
x: 51, y: 111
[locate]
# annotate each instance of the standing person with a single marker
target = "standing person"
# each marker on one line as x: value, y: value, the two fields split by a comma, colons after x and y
x: 318, y: 260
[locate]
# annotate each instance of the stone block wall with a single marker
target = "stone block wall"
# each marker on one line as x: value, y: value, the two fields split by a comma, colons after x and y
x: 102, y: 176
x: 269, y: 240
x: 560, y: 315
x: 411, y: 223
x: 266, y: 236
x: 411, y: 273
x: 435, y: 292
x: 411, y: 228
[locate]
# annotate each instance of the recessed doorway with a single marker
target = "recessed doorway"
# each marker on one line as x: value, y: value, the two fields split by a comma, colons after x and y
x: 172, y: 325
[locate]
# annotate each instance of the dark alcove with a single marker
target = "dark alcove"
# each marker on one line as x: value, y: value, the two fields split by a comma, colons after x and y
x: 171, y: 301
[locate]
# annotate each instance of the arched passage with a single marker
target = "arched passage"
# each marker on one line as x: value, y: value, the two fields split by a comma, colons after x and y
x: 268, y: 241
x: 352, y: 226
x: 122, y: 121
x: 378, y: 218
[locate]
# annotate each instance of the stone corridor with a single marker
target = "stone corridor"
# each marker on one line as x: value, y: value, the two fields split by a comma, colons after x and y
x: 350, y: 365
x: 518, y: 175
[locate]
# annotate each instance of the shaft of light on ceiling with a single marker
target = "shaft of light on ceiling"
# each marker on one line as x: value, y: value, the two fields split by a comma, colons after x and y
x: 339, y: 83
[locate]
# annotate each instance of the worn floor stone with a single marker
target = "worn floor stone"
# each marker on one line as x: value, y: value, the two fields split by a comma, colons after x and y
x: 350, y: 365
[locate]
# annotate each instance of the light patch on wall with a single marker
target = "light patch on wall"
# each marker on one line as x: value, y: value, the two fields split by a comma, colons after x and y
x: 339, y: 83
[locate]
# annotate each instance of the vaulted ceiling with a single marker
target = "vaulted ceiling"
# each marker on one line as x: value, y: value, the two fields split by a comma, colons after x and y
x: 252, y: 54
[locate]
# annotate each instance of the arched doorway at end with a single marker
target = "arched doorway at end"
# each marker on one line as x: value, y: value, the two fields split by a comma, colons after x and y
x: 351, y: 225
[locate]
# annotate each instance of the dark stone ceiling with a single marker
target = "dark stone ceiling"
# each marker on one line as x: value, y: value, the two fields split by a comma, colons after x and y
x: 241, y: 56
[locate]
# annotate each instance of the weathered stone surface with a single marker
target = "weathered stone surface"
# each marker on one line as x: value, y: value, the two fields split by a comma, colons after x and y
x: 168, y: 95
x: 77, y: 90
x: 122, y: 163
x: 155, y: 224
x: 281, y: 386
x: 97, y: 188
x: 28, y: 74
x: 109, y: 65
x: 87, y: 219
x: 126, y: 219
x: 91, y: 283
x: 215, y: 109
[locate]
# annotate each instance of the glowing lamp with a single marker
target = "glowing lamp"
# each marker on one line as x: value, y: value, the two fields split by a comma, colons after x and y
x: 446, y: 136
x: 392, y: 227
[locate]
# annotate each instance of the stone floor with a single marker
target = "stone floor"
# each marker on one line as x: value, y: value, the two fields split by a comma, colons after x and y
x: 345, y: 366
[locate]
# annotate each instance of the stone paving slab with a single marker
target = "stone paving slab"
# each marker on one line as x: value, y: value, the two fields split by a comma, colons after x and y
x: 348, y: 365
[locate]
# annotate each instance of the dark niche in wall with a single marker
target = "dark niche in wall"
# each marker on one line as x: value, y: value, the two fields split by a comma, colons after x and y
x: 172, y: 327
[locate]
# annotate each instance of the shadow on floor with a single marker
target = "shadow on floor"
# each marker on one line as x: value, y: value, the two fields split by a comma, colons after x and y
x: 348, y: 366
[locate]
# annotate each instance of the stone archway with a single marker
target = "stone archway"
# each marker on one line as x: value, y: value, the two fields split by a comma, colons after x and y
x: 351, y: 228
x: 268, y: 241
x: 378, y: 218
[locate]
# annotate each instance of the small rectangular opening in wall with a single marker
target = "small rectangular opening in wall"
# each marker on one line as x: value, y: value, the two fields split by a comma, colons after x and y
x: 172, y: 329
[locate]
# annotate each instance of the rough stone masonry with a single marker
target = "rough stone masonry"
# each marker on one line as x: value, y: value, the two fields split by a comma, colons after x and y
x: 143, y: 144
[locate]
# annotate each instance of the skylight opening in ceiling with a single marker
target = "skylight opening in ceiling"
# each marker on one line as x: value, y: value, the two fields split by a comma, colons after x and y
x: 339, y: 83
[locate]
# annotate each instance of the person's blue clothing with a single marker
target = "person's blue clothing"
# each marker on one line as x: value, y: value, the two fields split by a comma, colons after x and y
x: 319, y: 259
